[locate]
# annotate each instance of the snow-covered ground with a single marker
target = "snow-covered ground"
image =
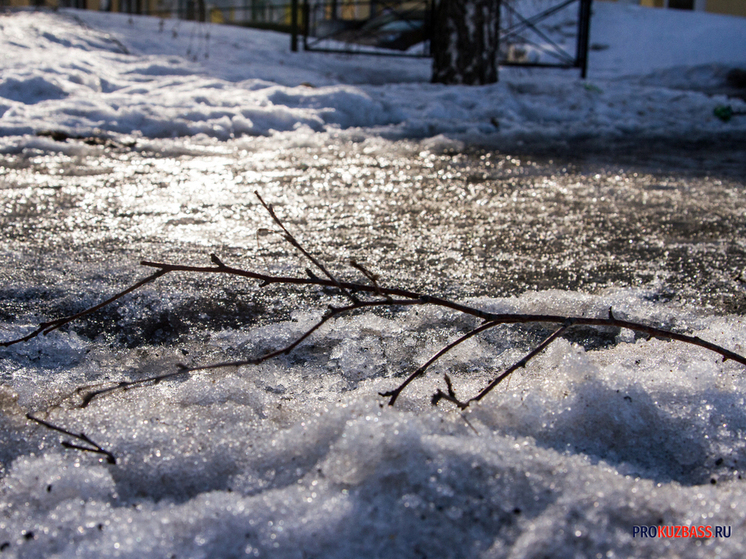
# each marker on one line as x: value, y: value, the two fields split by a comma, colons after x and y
x: 299, y: 457
x: 85, y: 73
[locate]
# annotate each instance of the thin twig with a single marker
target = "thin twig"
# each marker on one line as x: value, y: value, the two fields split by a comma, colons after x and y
x: 293, y: 241
x: 373, y: 278
x: 522, y: 363
x: 47, y: 327
x: 93, y: 447
x: 466, y: 420
x: 332, y: 313
x: 413, y: 298
x: 405, y: 298
x: 394, y: 394
x: 89, y: 393
x: 451, y: 395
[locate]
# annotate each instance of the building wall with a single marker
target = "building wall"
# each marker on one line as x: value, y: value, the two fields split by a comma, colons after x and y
x: 730, y: 7
x: 733, y: 7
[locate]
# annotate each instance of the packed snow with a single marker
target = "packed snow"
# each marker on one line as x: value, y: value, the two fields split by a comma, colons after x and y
x: 86, y: 73
x: 299, y: 456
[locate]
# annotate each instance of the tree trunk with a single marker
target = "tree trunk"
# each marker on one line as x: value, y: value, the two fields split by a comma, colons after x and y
x: 464, y: 41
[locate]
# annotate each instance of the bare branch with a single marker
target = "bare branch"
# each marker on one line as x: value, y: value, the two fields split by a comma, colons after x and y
x: 382, y: 297
x: 373, y: 278
x: 332, y: 313
x: 91, y: 446
x: 47, y: 327
x: 294, y: 242
x: 405, y: 298
x: 394, y: 394
x: 522, y: 363
x: 89, y: 393
x: 451, y: 396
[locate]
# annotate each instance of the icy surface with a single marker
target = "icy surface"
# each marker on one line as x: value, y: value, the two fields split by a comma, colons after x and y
x: 300, y: 456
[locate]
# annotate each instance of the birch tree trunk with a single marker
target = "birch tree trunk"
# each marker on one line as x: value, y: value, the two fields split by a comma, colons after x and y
x: 465, y: 40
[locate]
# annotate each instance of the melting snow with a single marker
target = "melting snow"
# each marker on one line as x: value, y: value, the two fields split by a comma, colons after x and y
x: 297, y: 457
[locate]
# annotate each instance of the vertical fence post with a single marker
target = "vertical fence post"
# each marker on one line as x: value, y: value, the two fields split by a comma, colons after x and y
x: 306, y: 23
x: 294, y: 25
x: 584, y: 35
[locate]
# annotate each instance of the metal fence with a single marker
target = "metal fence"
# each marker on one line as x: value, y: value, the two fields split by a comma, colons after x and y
x: 539, y: 33
x: 541, y: 37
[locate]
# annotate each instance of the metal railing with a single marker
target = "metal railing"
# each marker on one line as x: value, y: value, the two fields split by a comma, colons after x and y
x: 528, y: 37
x: 519, y: 31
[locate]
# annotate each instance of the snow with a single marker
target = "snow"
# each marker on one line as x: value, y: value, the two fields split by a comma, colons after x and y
x: 292, y: 458
x: 299, y: 456
x: 87, y: 73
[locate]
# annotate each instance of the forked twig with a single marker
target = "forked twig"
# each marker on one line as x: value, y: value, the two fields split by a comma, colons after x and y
x: 293, y: 241
x: 522, y: 363
x: 371, y: 277
x: 394, y: 394
x: 451, y: 395
x: 88, y: 393
x: 92, y: 446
